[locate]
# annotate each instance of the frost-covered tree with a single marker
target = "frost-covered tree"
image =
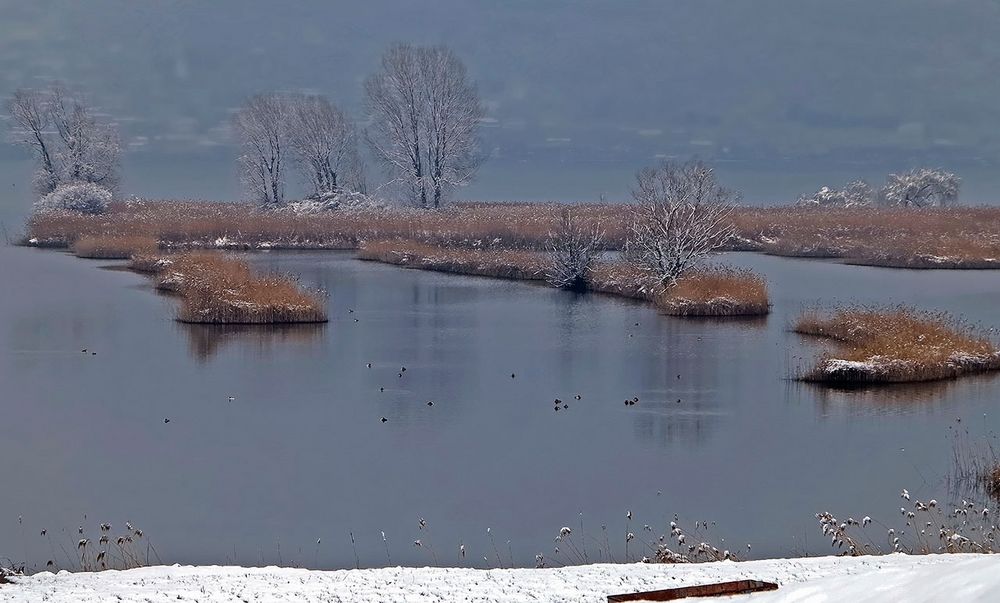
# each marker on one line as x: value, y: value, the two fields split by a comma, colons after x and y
x: 681, y: 216
x: 574, y: 248
x: 263, y: 125
x: 856, y: 194
x: 923, y: 187
x: 323, y: 142
x: 424, y: 114
x: 70, y: 144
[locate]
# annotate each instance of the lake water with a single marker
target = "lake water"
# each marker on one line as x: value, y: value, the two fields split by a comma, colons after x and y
x: 720, y: 434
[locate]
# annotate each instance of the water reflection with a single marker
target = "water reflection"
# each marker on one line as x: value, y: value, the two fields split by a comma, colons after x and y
x: 205, y: 341
x: 896, y: 398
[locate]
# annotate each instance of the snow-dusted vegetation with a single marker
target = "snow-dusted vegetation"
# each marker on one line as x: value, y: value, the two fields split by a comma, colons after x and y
x: 892, y: 345
x: 80, y: 197
x: 917, y: 188
x: 856, y: 194
x: 923, y: 187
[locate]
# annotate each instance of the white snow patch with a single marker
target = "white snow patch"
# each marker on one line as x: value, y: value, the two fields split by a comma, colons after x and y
x: 915, y: 578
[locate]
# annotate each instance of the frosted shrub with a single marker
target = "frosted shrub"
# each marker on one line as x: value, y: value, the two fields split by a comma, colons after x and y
x: 921, y: 188
x: 856, y: 194
x: 82, y: 197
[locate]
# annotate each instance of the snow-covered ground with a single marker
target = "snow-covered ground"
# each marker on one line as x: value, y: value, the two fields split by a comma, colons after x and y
x: 886, y: 578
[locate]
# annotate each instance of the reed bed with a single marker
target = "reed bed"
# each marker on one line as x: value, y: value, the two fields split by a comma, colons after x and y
x: 197, y: 224
x: 964, y: 237
x: 495, y: 263
x: 113, y: 247
x: 216, y: 289
x: 895, y: 345
x: 961, y: 237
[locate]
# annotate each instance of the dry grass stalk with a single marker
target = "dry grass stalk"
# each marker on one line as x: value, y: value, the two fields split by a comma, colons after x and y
x: 895, y: 345
x: 216, y: 289
x: 113, y: 247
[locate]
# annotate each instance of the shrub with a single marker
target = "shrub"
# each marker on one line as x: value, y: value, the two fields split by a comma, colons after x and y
x: 921, y: 188
x: 856, y: 194
x: 575, y: 248
x: 81, y: 197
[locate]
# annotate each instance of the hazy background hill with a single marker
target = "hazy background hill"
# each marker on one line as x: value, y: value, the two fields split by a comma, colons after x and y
x: 785, y: 95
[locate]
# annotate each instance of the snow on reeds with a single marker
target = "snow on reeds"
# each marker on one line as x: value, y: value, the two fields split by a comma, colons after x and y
x: 216, y: 289
x: 895, y: 345
x: 113, y: 247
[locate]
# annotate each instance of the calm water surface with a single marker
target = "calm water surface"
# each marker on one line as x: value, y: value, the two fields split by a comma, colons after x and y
x: 720, y: 434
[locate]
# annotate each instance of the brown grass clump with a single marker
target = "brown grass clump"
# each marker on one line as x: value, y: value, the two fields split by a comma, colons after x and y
x: 113, y: 247
x: 496, y: 263
x: 895, y: 345
x: 217, y: 289
x: 717, y: 291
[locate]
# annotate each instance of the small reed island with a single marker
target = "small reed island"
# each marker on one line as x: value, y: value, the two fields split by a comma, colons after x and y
x: 214, y: 288
x: 895, y: 345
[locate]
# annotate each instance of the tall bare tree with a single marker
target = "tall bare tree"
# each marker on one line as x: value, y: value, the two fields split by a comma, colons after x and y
x: 323, y: 141
x: 70, y: 144
x: 682, y: 215
x: 263, y: 127
x: 424, y: 114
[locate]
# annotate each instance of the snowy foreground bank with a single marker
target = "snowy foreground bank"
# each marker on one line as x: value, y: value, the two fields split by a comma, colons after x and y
x: 892, y: 577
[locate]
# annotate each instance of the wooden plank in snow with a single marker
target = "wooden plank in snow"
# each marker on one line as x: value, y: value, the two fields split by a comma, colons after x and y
x: 736, y: 587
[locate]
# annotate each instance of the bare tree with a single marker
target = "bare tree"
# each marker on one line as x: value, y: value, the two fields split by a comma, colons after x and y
x: 263, y: 126
x: 323, y: 141
x: 452, y: 114
x: 70, y: 144
x: 424, y: 115
x: 681, y: 216
x: 921, y: 188
x: 574, y: 251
